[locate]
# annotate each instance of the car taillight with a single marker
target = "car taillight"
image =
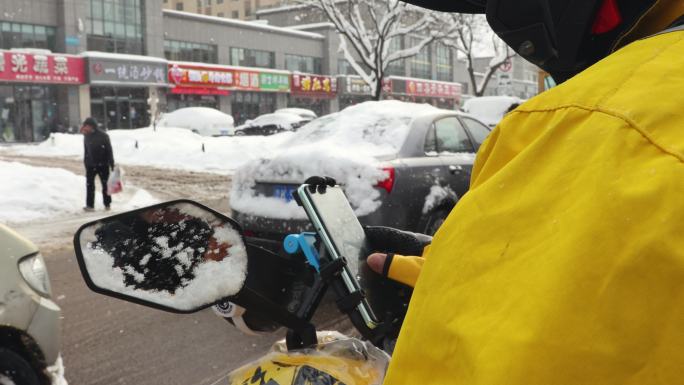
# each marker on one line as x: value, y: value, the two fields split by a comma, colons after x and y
x: 387, y: 183
x: 249, y: 233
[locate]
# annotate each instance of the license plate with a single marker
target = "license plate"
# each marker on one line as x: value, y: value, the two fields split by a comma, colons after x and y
x: 284, y: 192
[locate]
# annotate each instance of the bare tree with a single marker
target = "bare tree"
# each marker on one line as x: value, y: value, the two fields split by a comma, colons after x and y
x: 367, y: 29
x: 470, y: 35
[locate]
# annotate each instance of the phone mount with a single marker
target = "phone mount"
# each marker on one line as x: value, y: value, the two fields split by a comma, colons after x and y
x: 328, y: 274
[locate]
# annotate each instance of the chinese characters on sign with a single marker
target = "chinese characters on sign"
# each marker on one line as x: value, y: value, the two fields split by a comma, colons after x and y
x: 433, y: 89
x: 275, y: 82
x: 356, y: 85
x: 188, y: 79
x: 317, y: 85
x: 37, y: 68
x: 109, y: 71
x: 197, y: 76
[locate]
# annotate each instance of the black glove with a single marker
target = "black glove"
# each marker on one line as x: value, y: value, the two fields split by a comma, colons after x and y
x: 391, y: 240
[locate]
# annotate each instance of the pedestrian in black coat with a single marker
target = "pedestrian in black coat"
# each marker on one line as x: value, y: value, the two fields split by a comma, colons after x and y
x: 98, y: 160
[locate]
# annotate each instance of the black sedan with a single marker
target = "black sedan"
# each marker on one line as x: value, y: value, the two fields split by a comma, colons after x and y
x: 401, y: 164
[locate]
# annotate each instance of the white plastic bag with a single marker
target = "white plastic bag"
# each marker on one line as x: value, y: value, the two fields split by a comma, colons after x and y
x: 115, y: 181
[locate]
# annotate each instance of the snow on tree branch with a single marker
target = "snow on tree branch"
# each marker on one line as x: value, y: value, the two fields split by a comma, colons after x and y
x: 367, y: 29
x: 470, y: 36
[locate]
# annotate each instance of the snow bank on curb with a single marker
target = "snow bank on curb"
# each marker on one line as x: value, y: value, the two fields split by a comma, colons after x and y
x: 167, y: 147
x: 31, y: 193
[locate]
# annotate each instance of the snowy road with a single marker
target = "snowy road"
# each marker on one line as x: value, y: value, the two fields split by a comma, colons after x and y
x: 164, y: 184
x: 107, y: 341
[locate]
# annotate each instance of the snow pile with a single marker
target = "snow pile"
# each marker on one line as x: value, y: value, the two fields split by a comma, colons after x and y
x: 202, y: 120
x: 490, y: 109
x: 214, y: 277
x: 303, y: 112
x: 31, y: 193
x: 285, y: 120
x: 344, y: 145
x: 174, y: 148
x: 56, y: 372
x: 437, y: 195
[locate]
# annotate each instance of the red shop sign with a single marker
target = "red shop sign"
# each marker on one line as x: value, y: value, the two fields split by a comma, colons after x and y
x: 180, y: 90
x: 185, y: 75
x: 26, y: 67
x: 433, y: 89
x: 314, y: 85
x: 247, y: 80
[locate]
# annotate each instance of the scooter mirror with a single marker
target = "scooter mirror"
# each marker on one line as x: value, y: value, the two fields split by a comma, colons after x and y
x: 177, y: 256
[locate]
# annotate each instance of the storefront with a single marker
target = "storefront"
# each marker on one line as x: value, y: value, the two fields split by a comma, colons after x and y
x: 197, y: 85
x: 256, y: 92
x: 252, y: 92
x: 120, y: 87
x: 312, y: 92
x: 439, y: 94
x: 30, y: 84
x: 355, y: 90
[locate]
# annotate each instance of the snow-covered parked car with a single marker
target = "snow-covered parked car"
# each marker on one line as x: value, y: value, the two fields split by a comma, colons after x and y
x: 303, y: 112
x: 401, y: 164
x: 490, y: 109
x: 201, y: 120
x: 269, y: 124
x: 29, y: 319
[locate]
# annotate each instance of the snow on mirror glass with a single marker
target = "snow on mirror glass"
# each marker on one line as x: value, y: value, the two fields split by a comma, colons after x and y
x: 180, y: 256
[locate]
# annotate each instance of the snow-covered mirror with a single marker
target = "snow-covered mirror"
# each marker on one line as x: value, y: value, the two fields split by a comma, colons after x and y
x: 178, y: 256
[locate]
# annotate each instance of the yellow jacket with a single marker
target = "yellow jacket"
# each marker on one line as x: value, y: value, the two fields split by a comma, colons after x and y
x: 564, y: 263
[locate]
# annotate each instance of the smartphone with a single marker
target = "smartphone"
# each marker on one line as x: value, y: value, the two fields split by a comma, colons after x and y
x: 342, y: 236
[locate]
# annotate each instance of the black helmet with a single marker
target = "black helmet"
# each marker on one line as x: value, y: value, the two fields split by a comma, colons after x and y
x: 561, y: 36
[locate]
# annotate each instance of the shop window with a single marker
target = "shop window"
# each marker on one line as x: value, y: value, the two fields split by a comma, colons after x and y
x: 28, y: 113
x: 116, y: 26
x: 120, y: 107
x: 306, y: 64
x: 17, y: 35
x: 188, y: 51
x: 396, y: 67
x: 421, y: 64
x: 443, y: 59
x: 249, y: 105
x: 252, y: 58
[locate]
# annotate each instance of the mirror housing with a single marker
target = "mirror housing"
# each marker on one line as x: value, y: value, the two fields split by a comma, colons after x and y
x: 178, y: 256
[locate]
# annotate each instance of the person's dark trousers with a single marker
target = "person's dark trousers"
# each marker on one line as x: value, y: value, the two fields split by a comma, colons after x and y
x: 91, y: 172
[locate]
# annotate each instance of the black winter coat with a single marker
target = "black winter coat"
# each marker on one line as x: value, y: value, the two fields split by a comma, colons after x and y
x: 98, y: 150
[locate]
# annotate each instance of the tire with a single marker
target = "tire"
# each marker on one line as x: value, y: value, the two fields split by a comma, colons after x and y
x: 239, y: 133
x: 434, y: 221
x: 14, y: 369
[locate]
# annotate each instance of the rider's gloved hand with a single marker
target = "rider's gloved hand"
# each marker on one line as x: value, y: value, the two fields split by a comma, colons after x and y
x: 398, y: 253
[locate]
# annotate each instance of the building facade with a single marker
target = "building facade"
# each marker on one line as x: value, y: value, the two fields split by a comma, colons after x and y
x: 126, y: 61
x: 233, y: 9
